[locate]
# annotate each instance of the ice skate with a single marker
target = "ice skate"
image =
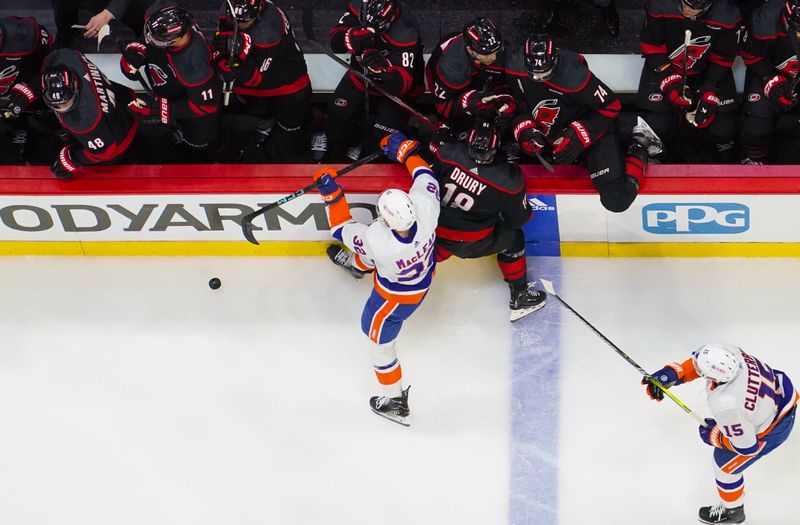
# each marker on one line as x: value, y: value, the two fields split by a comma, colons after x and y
x: 719, y: 514
x: 644, y: 135
x: 343, y: 257
x: 394, y: 408
x: 524, y: 301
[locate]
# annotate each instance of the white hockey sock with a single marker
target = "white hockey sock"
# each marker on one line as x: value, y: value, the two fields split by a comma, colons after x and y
x: 387, y: 369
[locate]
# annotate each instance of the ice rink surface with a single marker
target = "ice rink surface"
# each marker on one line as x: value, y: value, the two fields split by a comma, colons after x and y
x: 131, y: 393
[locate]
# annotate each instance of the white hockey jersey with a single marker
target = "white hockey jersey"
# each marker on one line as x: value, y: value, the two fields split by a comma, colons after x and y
x: 404, y: 267
x: 749, y: 406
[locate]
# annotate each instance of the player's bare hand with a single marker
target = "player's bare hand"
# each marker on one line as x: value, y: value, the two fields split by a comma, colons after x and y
x: 96, y: 22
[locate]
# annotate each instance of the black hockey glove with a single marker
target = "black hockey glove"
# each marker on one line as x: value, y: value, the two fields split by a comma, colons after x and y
x: 64, y: 166
x: 134, y: 56
x: 706, y: 110
x: 440, y: 136
x: 375, y: 62
x: 486, y: 104
x: 530, y: 137
x: 11, y: 106
x: 779, y: 91
x: 238, y: 47
x: 358, y: 39
x: 156, y: 110
x: 573, y: 141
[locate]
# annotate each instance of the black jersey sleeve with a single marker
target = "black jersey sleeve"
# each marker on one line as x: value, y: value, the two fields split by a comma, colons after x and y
x: 202, y: 85
x: 653, y: 41
x: 336, y: 34
x: 113, y: 133
x: 517, y: 210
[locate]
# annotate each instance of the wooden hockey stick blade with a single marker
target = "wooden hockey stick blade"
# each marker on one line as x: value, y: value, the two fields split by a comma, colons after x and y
x: 247, y: 220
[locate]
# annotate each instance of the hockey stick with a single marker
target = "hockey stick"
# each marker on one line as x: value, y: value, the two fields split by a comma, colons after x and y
x: 548, y: 287
x: 247, y: 220
x: 227, y: 86
x: 791, y: 32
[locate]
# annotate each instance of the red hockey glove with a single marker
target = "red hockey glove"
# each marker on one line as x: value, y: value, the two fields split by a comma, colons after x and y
x: 64, y: 166
x: 398, y: 147
x: 375, y: 62
x: 359, y: 39
x: 572, y: 142
x: 530, y: 137
x: 706, y: 110
x: 133, y: 57
x: 152, y: 111
x: 779, y: 91
x: 671, y: 87
x: 328, y: 187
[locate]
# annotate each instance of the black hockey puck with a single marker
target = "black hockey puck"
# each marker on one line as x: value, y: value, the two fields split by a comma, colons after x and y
x: 214, y: 283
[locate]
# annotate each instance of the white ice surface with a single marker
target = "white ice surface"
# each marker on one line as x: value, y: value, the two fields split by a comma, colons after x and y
x: 131, y: 393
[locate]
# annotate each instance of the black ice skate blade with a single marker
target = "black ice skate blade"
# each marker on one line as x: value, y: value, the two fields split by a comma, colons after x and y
x: 400, y: 420
x: 516, y: 315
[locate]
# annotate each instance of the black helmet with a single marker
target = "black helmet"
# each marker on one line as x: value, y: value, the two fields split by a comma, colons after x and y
x: 379, y: 14
x: 791, y: 12
x: 59, y: 88
x: 700, y: 5
x: 483, y: 142
x: 167, y: 24
x: 483, y: 37
x: 246, y: 11
x: 541, y: 56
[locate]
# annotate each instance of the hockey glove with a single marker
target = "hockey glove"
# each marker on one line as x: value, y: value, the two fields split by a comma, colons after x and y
x: 666, y: 376
x: 779, y: 91
x: 710, y: 434
x: 671, y: 87
x: 706, y: 110
x: 134, y: 56
x: 238, y: 47
x: 64, y: 166
x: 328, y: 187
x: 375, y: 62
x: 484, y: 103
x: 506, y: 105
x: 152, y: 111
x: 529, y: 136
x: 440, y: 135
x: 572, y: 142
x: 398, y: 147
x: 12, y: 105
x: 359, y: 39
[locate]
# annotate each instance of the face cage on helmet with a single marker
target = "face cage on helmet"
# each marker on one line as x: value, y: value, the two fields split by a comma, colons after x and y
x: 61, y: 106
x: 697, y: 5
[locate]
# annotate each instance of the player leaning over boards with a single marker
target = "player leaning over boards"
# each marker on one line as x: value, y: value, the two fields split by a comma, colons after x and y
x: 399, y: 248
x: 753, y: 407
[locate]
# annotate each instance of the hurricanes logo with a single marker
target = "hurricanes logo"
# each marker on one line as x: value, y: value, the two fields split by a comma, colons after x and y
x: 789, y: 67
x: 156, y: 75
x: 545, y: 114
x: 8, y: 77
x: 697, y: 48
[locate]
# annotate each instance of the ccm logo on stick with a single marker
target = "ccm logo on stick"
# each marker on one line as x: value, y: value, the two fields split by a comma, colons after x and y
x: 666, y: 218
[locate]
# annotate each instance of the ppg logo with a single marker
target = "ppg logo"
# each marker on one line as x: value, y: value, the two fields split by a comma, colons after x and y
x: 667, y: 218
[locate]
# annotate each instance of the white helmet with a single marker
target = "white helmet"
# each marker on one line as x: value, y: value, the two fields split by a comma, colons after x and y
x: 718, y: 362
x: 396, y: 210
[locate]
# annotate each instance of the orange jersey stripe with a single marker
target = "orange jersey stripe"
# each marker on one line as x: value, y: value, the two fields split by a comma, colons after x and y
x: 378, y: 319
x: 394, y: 297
